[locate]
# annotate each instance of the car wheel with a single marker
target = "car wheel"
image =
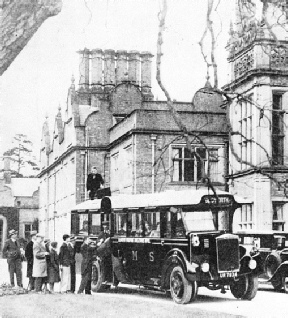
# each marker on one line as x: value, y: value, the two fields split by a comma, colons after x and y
x: 272, y: 262
x: 180, y: 288
x: 285, y: 284
x: 239, y: 287
x: 277, y: 282
x: 252, y: 287
x: 97, y: 277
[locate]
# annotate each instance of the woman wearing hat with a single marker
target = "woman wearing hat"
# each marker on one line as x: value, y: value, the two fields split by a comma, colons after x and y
x: 12, y: 251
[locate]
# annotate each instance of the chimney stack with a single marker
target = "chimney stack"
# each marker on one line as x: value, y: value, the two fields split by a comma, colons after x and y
x: 134, y: 67
x: 96, y: 80
x: 146, y: 75
x: 7, y: 170
x: 121, y: 66
x: 84, y: 69
x: 109, y: 69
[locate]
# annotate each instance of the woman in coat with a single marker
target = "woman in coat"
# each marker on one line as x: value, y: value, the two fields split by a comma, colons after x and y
x: 53, y: 267
x: 39, y: 264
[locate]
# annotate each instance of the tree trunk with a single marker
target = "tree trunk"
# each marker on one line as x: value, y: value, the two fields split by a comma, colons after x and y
x: 19, y: 20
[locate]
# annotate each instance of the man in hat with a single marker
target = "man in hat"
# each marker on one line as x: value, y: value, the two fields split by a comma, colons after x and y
x: 12, y: 251
x: 39, y: 262
x: 103, y: 235
x: 65, y: 262
x: 29, y: 257
x: 87, y: 250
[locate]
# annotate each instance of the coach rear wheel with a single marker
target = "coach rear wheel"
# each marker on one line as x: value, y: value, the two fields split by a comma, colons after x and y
x: 181, y: 289
x: 97, y: 277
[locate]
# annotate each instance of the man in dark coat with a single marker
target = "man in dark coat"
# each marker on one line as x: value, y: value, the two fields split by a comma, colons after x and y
x: 86, y: 266
x: 103, y: 235
x: 72, y: 250
x: 12, y: 251
x: 30, y: 257
x: 65, y: 261
x: 94, y: 182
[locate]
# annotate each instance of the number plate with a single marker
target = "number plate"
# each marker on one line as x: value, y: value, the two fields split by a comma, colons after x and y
x: 228, y: 274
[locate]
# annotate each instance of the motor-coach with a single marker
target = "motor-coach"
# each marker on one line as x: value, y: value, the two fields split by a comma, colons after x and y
x: 172, y: 241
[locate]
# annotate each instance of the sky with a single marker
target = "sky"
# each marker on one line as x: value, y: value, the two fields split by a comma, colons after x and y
x: 37, y: 82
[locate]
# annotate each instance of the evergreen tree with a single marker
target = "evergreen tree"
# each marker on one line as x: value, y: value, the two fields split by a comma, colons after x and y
x: 21, y: 153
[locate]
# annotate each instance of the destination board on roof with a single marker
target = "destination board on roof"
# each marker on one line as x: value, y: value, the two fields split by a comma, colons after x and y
x: 220, y: 200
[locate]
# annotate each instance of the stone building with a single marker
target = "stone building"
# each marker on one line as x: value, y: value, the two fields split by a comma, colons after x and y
x: 112, y: 121
x: 258, y: 57
x: 19, y: 204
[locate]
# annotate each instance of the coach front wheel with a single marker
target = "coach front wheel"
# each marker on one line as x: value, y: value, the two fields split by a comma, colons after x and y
x: 181, y: 289
x: 97, y: 277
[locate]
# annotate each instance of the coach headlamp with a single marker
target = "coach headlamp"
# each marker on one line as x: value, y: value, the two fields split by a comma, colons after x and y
x: 252, y: 264
x: 205, y: 267
x: 195, y: 240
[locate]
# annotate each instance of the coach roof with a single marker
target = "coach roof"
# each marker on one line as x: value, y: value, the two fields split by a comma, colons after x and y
x: 167, y: 198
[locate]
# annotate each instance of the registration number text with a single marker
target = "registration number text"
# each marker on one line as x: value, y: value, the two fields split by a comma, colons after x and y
x: 228, y: 274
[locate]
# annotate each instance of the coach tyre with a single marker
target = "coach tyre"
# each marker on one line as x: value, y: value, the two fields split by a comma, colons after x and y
x: 180, y: 288
x: 97, y: 277
x: 252, y: 287
x: 239, y: 287
x: 194, y: 290
x: 245, y: 287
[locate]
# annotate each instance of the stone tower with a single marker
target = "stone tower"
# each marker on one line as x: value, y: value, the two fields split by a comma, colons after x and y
x: 258, y: 57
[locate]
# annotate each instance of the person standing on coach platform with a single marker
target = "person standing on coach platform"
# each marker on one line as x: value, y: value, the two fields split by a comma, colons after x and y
x: 94, y: 182
x: 12, y: 251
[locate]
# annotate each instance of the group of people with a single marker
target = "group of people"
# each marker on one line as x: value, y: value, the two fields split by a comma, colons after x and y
x: 45, y: 266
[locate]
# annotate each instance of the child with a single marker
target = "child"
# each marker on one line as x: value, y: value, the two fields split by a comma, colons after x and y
x: 53, y: 269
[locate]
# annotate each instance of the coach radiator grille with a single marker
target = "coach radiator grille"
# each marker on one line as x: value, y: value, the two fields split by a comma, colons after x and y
x: 227, y: 253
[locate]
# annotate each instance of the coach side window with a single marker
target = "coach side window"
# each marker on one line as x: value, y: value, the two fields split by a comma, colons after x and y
x: 139, y: 225
x: 121, y: 224
x: 174, y: 224
x: 95, y: 224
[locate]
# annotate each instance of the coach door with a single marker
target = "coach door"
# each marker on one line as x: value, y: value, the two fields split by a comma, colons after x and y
x: 128, y: 242
x: 153, y: 250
